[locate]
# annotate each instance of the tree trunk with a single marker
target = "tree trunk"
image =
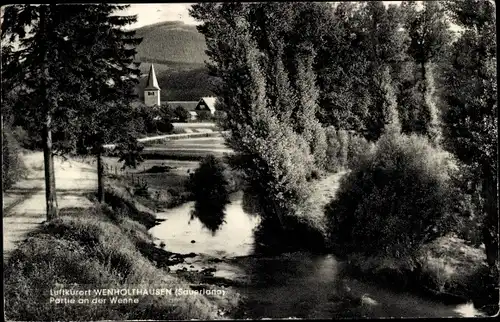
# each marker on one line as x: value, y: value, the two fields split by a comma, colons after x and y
x: 490, y: 223
x: 50, y: 182
x: 422, y: 71
x: 100, y: 178
x: 48, y: 157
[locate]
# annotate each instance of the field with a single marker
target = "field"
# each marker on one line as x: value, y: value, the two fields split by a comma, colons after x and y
x: 187, y: 149
x: 166, y: 167
x: 198, y: 127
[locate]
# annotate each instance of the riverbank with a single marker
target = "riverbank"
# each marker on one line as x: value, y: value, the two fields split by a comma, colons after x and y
x: 103, y: 247
x: 445, y: 270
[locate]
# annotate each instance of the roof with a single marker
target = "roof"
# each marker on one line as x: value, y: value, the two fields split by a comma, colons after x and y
x: 188, y: 105
x: 152, y: 82
x: 210, y: 102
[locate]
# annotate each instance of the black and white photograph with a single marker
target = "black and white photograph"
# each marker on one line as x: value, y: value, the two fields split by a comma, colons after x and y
x: 249, y: 160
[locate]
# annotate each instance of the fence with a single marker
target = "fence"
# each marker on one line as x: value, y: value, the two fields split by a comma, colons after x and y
x: 134, y: 177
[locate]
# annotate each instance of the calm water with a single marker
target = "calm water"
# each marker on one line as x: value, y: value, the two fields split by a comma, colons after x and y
x: 297, y: 285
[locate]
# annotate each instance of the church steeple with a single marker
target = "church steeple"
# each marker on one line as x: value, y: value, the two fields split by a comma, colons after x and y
x: 152, y: 90
x: 152, y: 82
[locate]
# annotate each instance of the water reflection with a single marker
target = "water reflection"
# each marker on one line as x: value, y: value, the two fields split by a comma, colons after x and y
x: 304, y: 285
x: 298, y: 284
x: 210, y: 214
x: 183, y: 224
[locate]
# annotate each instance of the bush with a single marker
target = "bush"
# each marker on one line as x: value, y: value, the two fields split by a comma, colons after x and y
x: 13, y: 167
x: 209, y: 185
x: 337, y: 149
x: 142, y: 189
x: 204, y: 116
x: 358, y: 146
x: 470, y: 220
x: 345, y: 149
x: 209, y: 181
x: 145, y: 116
x: 164, y: 126
x: 181, y: 114
x: 396, y: 198
x: 220, y: 115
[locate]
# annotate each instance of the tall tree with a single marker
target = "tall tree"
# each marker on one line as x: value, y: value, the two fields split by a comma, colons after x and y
x: 341, y: 67
x: 471, y: 128
x: 305, y: 120
x: 276, y: 160
x: 363, y: 40
x: 383, y: 44
x: 390, y: 112
x: 78, y: 66
x: 45, y: 48
x: 108, y: 65
x: 429, y: 39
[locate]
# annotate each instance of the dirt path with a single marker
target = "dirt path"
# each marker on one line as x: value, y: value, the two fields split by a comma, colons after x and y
x: 24, y: 204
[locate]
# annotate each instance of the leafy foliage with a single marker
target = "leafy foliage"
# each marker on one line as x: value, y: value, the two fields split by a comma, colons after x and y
x: 430, y: 38
x: 204, y: 115
x: 151, y: 120
x: 209, y: 182
x: 305, y: 119
x: 275, y: 159
x: 210, y: 186
x: 129, y: 150
x: 398, y: 198
x: 345, y: 149
x: 182, y: 114
x: 470, y: 119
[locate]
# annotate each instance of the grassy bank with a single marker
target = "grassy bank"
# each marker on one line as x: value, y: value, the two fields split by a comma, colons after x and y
x: 98, y: 248
x: 447, y: 270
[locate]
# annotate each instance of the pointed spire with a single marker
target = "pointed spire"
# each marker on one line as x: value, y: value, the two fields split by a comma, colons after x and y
x: 152, y: 82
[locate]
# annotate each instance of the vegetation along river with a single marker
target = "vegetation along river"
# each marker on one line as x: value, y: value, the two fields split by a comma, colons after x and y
x: 299, y: 285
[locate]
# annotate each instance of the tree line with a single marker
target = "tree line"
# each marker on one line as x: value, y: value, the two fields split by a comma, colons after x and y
x: 291, y: 76
x: 68, y: 77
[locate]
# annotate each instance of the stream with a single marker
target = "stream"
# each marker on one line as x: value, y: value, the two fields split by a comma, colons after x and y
x: 291, y: 285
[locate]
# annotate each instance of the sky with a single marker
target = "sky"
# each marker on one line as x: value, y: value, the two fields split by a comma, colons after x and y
x: 148, y: 14
x: 152, y: 13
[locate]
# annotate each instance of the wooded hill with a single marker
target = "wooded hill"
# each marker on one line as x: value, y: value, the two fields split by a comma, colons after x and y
x: 178, y: 52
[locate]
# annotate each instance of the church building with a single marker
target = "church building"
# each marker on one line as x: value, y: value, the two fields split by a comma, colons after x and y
x: 152, y: 90
x: 152, y: 98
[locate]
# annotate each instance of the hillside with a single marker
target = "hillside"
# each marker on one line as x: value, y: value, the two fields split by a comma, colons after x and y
x: 171, y: 41
x: 178, y: 52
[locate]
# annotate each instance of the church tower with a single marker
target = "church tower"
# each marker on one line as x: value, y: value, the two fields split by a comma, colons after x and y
x: 152, y: 90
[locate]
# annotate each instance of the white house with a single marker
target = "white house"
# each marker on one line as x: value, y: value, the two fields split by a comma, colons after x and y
x: 207, y: 104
